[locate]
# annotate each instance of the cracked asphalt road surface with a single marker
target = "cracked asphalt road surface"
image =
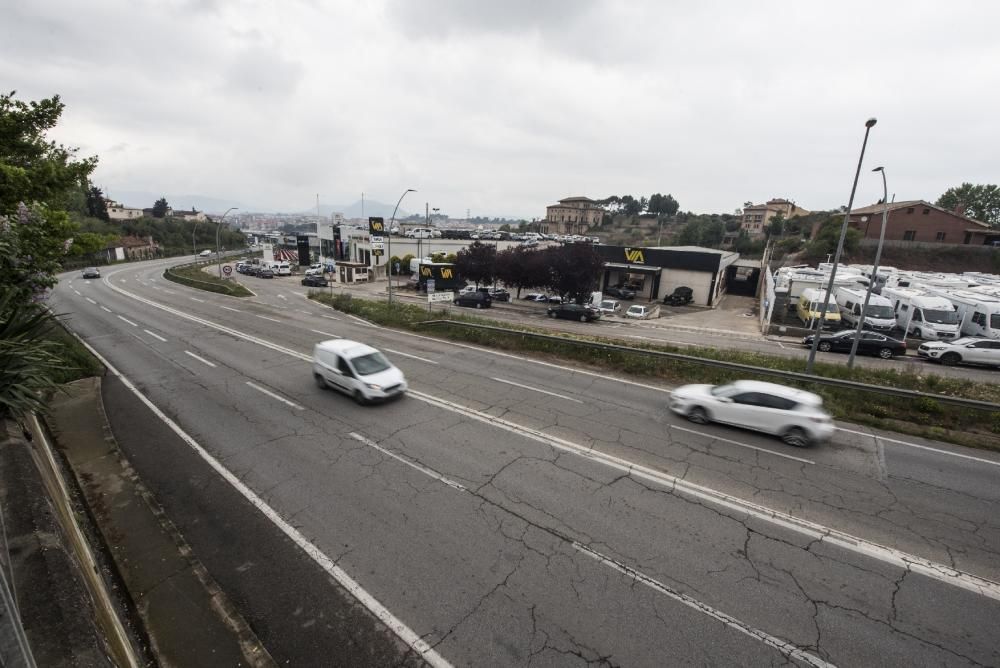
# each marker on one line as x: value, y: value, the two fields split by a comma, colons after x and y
x: 538, y: 552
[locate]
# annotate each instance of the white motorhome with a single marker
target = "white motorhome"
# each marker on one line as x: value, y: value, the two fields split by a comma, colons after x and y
x: 878, y: 316
x: 924, y: 315
x: 978, y: 313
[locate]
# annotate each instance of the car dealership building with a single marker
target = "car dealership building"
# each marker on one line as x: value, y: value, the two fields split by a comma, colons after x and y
x: 654, y: 272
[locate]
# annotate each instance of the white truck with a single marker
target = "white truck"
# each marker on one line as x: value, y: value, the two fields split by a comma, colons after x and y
x: 879, y: 315
x: 923, y: 315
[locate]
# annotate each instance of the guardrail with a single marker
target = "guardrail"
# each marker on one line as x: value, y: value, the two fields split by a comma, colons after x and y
x: 735, y: 366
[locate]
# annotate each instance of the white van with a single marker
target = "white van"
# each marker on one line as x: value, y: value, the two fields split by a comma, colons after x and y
x: 879, y: 315
x: 281, y: 268
x: 924, y: 315
x: 357, y: 370
x: 421, y: 233
x: 978, y: 313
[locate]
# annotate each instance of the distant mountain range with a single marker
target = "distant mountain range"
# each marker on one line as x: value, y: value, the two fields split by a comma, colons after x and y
x: 214, y: 205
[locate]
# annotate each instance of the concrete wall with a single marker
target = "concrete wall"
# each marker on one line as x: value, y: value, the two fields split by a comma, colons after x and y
x: 700, y: 283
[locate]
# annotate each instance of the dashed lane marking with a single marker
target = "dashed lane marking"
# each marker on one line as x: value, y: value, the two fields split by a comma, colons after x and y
x: 105, y: 308
x: 416, y: 357
x: 155, y: 335
x: 332, y: 336
x: 278, y: 397
x: 127, y: 321
x: 264, y: 317
x: 423, y: 469
x: 199, y: 358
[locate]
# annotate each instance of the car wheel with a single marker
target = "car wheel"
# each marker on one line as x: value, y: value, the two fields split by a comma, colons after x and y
x: 359, y: 398
x: 885, y: 353
x: 698, y: 415
x: 479, y: 305
x: 950, y: 359
x: 320, y: 381
x: 552, y: 314
x: 456, y: 303
x: 795, y: 437
x: 917, y: 333
x: 824, y: 346
x: 583, y: 318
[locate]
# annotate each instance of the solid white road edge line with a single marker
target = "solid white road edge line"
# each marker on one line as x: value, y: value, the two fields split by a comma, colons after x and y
x: 275, y: 396
x: 818, y: 532
x: 330, y: 317
x: 264, y: 317
x: 416, y: 357
x: 921, y: 447
x: 742, y: 445
x: 199, y: 358
x: 786, y: 648
x: 423, y: 469
x: 155, y: 336
x: 359, y: 320
x: 126, y: 320
x: 535, y: 389
x: 404, y: 632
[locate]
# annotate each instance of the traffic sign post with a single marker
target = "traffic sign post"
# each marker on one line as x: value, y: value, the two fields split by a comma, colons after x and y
x: 227, y: 270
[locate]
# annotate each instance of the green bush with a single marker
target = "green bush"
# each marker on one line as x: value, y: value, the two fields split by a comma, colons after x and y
x: 192, y: 276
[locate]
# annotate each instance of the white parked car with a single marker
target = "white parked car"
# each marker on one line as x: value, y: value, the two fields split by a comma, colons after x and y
x: 967, y: 350
x: 610, y: 307
x: 795, y: 416
x: 357, y: 370
x: 639, y: 311
x: 205, y: 253
x: 315, y: 268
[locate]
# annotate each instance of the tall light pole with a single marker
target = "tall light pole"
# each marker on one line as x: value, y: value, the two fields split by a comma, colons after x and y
x: 840, y: 249
x: 194, y: 249
x: 218, y: 257
x: 874, y: 276
x: 389, y: 251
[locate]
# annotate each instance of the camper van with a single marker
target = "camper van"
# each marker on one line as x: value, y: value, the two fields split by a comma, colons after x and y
x: 923, y: 315
x: 878, y: 315
x: 978, y: 313
x: 810, y: 306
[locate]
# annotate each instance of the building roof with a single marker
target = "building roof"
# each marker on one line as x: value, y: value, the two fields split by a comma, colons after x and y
x: 577, y: 198
x: 893, y: 206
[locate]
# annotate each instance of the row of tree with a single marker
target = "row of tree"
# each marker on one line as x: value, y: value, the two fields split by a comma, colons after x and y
x: 656, y: 204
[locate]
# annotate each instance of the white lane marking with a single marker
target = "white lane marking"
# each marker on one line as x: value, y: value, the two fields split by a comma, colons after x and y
x: 404, y: 632
x: 91, y: 301
x: 360, y: 321
x: 742, y: 445
x: 264, y: 317
x: 785, y: 647
x: 105, y: 308
x: 877, y: 438
x: 332, y: 336
x: 155, y: 336
x: 328, y: 317
x: 77, y: 291
x: 275, y: 396
x: 169, y: 291
x: 535, y: 389
x: 813, y: 530
x: 127, y: 321
x: 199, y: 358
x: 416, y: 357
x: 195, y: 299
x: 280, y: 296
x: 780, y: 345
x: 122, y: 280
x: 302, y: 310
x: 155, y: 287
x: 229, y: 308
x: 423, y: 469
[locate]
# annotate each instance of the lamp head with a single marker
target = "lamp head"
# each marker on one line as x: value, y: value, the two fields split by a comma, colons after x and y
x: 410, y: 190
x: 878, y: 169
x: 870, y: 122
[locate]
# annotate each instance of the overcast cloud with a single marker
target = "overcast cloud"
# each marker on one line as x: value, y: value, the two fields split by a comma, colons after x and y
x: 502, y: 108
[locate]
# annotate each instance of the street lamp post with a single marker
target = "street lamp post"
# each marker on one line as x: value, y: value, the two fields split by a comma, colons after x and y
x: 840, y: 249
x: 389, y: 251
x: 874, y: 276
x: 218, y: 256
x: 194, y: 248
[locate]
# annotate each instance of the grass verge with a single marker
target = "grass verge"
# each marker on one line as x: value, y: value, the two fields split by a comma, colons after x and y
x: 191, y: 275
x: 924, y: 417
x: 79, y: 363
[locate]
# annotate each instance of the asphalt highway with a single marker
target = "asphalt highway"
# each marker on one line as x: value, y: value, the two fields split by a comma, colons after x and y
x: 510, y: 511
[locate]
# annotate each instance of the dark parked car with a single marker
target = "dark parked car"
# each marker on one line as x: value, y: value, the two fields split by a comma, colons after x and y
x: 315, y: 281
x: 91, y: 272
x: 265, y: 273
x: 498, y: 294
x: 581, y: 312
x: 474, y: 299
x: 621, y: 292
x: 871, y: 343
x: 679, y: 297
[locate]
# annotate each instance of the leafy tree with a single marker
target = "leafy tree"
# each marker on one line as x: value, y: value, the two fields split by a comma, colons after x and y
x: 663, y: 205
x: 88, y: 243
x: 981, y: 202
x: 97, y: 206
x: 705, y: 231
x: 574, y: 270
x: 776, y: 226
x: 477, y: 263
x: 522, y: 267
x: 404, y: 263
x: 828, y: 236
x: 160, y: 208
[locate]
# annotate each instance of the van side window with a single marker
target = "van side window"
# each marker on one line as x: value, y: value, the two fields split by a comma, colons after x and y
x: 917, y: 315
x: 979, y: 318
x: 343, y: 367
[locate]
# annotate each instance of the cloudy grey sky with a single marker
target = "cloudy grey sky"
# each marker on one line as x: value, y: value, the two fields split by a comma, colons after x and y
x: 502, y: 108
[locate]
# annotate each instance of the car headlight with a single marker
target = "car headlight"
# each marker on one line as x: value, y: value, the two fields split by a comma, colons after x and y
x: 372, y: 386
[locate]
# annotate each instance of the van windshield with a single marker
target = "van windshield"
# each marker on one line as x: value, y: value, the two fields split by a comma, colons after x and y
x: 371, y: 363
x: 940, y: 316
x: 879, y: 311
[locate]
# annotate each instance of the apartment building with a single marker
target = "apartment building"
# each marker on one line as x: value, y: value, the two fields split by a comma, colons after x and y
x: 572, y: 215
x: 757, y: 216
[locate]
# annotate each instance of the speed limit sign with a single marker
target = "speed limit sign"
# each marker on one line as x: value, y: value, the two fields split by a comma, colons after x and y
x: 227, y: 270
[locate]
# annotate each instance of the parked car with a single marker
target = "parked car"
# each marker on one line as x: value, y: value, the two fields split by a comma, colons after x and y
x: 639, y: 311
x: 795, y: 416
x: 621, y: 292
x: 91, y: 272
x: 499, y: 295
x: 581, y: 312
x: 474, y: 299
x: 205, y: 253
x: 315, y: 281
x: 265, y: 273
x: 315, y: 268
x: 536, y: 297
x: 871, y: 343
x: 679, y: 297
x: 357, y: 370
x: 967, y: 350
x: 610, y: 307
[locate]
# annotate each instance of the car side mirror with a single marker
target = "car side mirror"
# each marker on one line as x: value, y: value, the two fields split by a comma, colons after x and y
x: 725, y: 400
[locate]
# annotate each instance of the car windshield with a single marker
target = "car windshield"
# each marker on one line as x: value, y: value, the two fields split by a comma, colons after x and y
x: 607, y: 304
x: 879, y: 311
x: 941, y: 316
x: 721, y: 390
x: 371, y: 363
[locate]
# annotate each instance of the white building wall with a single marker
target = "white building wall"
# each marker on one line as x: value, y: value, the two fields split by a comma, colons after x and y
x: 700, y: 283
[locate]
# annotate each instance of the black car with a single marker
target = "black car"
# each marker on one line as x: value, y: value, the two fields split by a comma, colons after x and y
x: 679, y: 297
x: 474, y: 299
x: 91, y: 272
x: 581, y: 312
x: 871, y: 343
x: 315, y: 281
x: 265, y: 273
x: 621, y: 292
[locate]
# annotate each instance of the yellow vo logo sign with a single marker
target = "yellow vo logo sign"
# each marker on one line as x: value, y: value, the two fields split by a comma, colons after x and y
x: 426, y: 272
x: 446, y: 272
x: 635, y: 255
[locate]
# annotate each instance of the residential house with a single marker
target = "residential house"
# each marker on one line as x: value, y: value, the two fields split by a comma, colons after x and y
x: 922, y: 222
x: 572, y: 215
x: 117, y: 211
x: 191, y: 215
x: 756, y: 217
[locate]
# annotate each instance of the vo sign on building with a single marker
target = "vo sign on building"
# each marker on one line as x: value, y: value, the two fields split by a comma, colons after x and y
x: 376, y: 233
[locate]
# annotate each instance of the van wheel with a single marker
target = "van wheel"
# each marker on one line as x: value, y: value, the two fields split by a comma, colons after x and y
x: 885, y: 353
x: 795, y: 437
x: 698, y: 415
x: 918, y: 334
x: 320, y: 381
x: 359, y: 398
x: 824, y: 346
x: 950, y: 359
